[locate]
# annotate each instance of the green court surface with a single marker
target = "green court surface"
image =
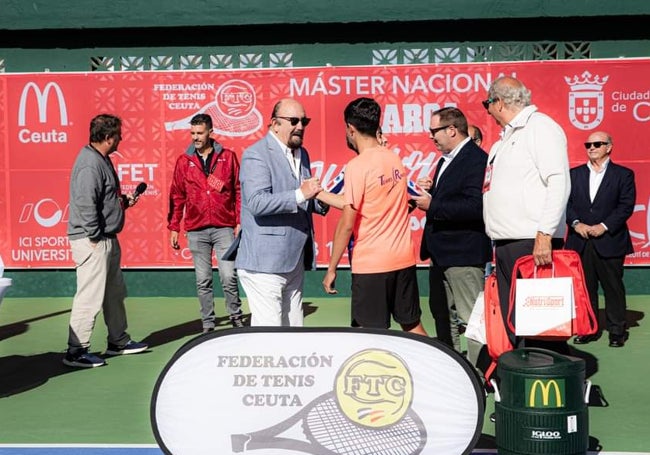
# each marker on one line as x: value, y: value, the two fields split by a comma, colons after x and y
x: 44, y: 402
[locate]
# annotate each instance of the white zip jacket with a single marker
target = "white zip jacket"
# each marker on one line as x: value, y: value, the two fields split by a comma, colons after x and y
x: 530, y: 182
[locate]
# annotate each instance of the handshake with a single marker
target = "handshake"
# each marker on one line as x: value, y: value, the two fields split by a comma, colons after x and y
x: 311, y: 187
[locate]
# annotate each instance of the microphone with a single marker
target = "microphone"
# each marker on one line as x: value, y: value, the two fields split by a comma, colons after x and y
x: 141, y: 188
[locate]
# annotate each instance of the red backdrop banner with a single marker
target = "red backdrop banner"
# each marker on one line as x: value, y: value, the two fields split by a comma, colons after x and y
x: 45, y: 119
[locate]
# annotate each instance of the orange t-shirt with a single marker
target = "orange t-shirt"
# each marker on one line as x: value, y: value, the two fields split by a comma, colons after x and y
x: 375, y: 186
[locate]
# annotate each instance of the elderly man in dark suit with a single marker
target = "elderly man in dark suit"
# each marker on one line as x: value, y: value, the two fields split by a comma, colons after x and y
x: 602, y: 200
x: 277, y: 232
x: 454, y: 233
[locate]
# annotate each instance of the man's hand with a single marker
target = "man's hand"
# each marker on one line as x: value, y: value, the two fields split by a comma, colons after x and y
x: 542, y: 250
x: 131, y: 199
x: 329, y: 282
x: 311, y: 187
x: 425, y: 183
x: 423, y: 201
x: 596, y: 230
x: 582, y: 230
x: 173, y: 237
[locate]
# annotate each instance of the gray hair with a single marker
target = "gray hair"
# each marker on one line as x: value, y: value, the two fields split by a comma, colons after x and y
x: 511, y: 91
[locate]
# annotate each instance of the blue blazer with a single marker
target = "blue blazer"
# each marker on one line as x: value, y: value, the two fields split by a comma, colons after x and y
x: 275, y: 230
x: 454, y: 232
x: 613, y: 205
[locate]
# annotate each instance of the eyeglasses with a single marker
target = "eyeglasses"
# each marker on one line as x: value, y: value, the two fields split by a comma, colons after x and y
x: 486, y: 103
x: 294, y: 120
x: 596, y: 144
x: 440, y: 128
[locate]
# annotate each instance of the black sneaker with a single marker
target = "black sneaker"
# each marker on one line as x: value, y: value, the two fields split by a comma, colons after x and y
x: 132, y: 347
x: 83, y: 359
x: 237, y: 321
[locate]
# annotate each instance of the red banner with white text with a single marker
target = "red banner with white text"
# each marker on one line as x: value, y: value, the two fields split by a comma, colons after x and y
x: 45, y: 119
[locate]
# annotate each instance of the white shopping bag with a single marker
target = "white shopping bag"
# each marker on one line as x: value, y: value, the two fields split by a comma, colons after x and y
x: 475, y: 329
x: 544, y: 307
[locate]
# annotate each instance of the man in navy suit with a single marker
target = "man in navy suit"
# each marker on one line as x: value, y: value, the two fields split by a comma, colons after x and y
x: 277, y: 232
x: 602, y: 200
x: 454, y: 234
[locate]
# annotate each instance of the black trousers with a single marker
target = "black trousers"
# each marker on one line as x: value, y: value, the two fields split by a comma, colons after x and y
x: 438, y: 304
x: 609, y: 273
x: 507, y: 252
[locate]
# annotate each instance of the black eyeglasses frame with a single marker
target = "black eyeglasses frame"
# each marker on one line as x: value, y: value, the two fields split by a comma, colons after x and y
x: 304, y: 121
x: 596, y: 144
x: 486, y: 103
x: 433, y: 131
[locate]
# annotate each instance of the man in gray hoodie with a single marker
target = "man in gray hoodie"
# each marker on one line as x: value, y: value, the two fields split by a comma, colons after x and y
x: 96, y: 217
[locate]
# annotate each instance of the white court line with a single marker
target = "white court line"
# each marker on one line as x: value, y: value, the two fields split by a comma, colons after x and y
x: 133, y: 448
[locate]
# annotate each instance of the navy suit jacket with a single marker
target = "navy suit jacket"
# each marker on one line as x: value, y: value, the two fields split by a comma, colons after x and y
x: 613, y: 206
x: 454, y: 233
x: 275, y: 229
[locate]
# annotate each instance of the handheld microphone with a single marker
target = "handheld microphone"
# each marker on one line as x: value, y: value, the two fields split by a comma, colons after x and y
x: 141, y: 188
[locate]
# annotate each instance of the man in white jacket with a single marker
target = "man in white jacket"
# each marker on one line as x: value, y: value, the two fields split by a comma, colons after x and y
x: 527, y: 185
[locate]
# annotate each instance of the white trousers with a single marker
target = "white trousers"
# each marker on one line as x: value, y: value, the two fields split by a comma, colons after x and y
x: 274, y: 299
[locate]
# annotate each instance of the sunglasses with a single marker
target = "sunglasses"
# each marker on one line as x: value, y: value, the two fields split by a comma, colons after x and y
x: 486, y: 103
x: 596, y: 144
x: 440, y: 128
x: 294, y: 120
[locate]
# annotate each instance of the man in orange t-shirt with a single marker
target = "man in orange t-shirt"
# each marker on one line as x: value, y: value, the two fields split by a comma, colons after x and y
x: 376, y: 212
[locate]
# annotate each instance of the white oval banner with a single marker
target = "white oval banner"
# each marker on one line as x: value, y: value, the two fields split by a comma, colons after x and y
x: 323, y: 391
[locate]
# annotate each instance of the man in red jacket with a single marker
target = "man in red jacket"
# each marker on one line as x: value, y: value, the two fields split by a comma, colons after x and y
x: 205, y: 190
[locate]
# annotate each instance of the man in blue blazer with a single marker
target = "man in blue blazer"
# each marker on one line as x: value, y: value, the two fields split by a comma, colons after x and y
x: 601, y: 201
x: 454, y: 233
x: 277, y: 232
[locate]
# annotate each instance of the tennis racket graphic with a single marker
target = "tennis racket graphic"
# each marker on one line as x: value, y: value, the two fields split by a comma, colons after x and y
x: 229, y: 126
x: 329, y: 432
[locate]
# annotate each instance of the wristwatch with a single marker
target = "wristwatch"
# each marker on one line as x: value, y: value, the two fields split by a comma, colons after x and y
x: 575, y: 223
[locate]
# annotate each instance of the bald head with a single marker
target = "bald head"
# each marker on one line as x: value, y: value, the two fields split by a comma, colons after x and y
x: 288, y: 122
x: 475, y: 133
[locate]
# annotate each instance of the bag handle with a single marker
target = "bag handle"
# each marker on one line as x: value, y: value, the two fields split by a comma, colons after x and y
x: 552, y: 271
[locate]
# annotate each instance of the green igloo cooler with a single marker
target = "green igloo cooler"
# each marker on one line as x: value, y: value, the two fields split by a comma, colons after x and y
x: 541, y: 404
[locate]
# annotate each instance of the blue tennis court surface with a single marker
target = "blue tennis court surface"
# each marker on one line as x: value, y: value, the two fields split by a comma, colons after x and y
x: 77, y: 449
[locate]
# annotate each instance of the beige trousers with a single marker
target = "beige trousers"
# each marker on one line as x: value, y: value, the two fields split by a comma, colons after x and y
x: 100, y: 286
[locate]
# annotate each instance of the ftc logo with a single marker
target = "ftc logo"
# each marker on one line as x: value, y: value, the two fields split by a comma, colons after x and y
x: 42, y: 98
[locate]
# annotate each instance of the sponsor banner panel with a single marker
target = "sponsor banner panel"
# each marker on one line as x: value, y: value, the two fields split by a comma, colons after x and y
x: 46, y: 116
x: 38, y: 219
x: 639, y: 222
x: 335, y: 392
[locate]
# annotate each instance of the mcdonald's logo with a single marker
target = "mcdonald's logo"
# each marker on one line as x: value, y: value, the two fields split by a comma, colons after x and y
x: 545, y: 387
x: 42, y: 98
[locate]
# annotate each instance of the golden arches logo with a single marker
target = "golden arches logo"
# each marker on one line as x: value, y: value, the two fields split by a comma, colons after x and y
x: 374, y: 388
x: 42, y: 97
x: 545, y: 388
